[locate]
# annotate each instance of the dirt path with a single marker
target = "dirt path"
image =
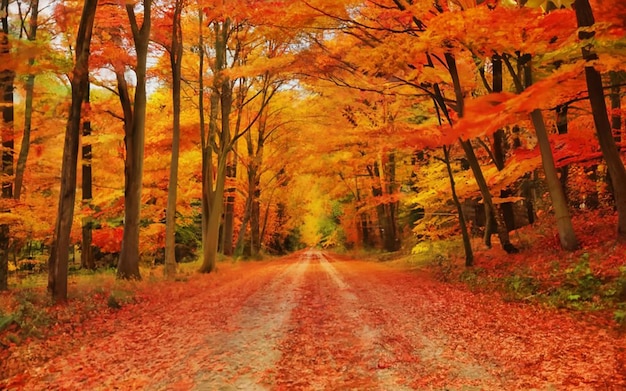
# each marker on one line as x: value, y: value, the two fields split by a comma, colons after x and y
x: 317, y: 322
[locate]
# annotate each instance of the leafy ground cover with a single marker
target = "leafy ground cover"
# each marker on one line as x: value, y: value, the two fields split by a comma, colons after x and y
x: 308, y: 322
x: 590, y: 281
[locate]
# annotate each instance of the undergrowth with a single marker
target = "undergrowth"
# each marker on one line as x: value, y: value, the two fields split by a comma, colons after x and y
x: 27, y: 312
x: 590, y: 280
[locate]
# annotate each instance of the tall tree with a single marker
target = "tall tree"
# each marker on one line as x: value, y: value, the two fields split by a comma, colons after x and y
x: 57, y: 264
x: 219, y: 140
x: 28, y: 110
x: 176, y: 54
x: 565, y: 228
x: 135, y: 123
x: 585, y: 18
x: 87, y: 256
x: 6, y: 133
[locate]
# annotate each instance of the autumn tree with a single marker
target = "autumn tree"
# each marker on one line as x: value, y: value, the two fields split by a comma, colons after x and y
x: 134, y: 126
x: 57, y: 264
x: 585, y: 19
x: 219, y: 140
x: 87, y: 256
x: 31, y: 35
x: 7, y: 76
x: 176, y: 53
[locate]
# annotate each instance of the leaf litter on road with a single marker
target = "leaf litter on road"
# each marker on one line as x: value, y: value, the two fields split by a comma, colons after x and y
x: 320, y: 322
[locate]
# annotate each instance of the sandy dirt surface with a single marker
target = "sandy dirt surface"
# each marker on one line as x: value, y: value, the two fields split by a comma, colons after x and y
x: 320, y: 322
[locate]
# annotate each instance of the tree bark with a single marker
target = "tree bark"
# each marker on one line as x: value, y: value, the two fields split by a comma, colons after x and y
x: 385, y: 211
x: 229, y: 207
x: 616, y: 107
x: 562, y: 125
x: 7, y: 77
x: 57, y: 273
x: 128, y: 265
x: 490, y: 210
x: 559, y: 203
x: 585, y: 18
x: 176, y: 54
x: 467, y: 244
x: 86, y: 256
x: 222, y: 94
x: 567, y: 237
x: 28, y: 103
x: 500, y: 147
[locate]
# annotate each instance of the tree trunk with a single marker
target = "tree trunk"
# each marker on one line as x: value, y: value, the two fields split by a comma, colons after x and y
x: 564, y: 225
x: 229, y: 207
x: 616, y: 108
x: 6, y: 89
x: 490, y: 210
x: 585, y: 18
x: 391, y: 208
x: 128, y: 265
x: 222, y: 93
x: 176, y: 54
x: 562, y: 127
x: 213, y: 224
x: 28, y: 109
x: 567, y: 237
x: 244, y: 226
x: 500, y: 147
x: 467, y: 244
x: 255, y: 217
x: 86, y: 256
x: 559, y: 203
x: 385, y: 211
x: 616, y: 121
x: 57, y: 273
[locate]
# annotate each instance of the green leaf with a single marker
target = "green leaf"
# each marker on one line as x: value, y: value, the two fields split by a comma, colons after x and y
x: 6, y: 321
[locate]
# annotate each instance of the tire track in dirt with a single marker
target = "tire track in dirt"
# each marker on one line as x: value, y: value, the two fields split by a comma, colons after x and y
x: 151, y: 345
x: 330, y: 345
x: 242, y: 354
x: 387, y: 378
x: 407, y: 352
x: 470, y: 341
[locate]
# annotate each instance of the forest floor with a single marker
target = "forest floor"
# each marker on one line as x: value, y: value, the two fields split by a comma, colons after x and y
x: 316, y: 321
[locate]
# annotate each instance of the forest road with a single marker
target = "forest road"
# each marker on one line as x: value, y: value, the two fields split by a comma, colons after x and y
x: 316, y: 321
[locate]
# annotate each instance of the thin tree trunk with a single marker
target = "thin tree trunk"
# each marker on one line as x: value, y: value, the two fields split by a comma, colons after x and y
x: 585, y: 18
x: 490, y: 210
x: 244, y: 226
x: 57, y: 274
x: 28, y: 103
x: 223, y: 89
x: 6, y: 89
x: 205, y: 145
x: 467, y: 244
x: 559, y: 203
x: 255, y: 217
x: 86, y: 256
x: 562, y: 127
x: 393, y: 238
x: 616, y: 108
x: 128, y: 265
x: 176, y: 54
x: 567, y: 237
x: 500, y: 148
x: 229, y: 207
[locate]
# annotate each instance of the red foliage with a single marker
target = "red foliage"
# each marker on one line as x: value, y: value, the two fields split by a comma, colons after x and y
x: 108, y: 239
x: 309, y: 323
